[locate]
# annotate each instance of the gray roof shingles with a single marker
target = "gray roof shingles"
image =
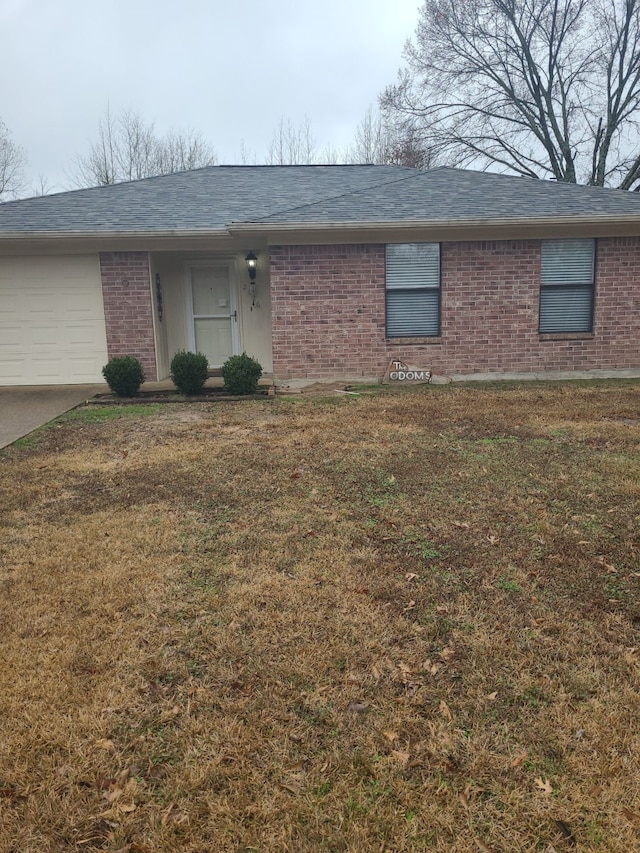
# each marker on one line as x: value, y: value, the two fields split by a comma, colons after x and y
x: 447, y: 194
x: 203, y: 199
x: 213, y: 198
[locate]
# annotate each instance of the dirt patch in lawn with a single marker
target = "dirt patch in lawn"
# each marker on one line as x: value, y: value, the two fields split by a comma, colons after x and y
x: 401, y: 621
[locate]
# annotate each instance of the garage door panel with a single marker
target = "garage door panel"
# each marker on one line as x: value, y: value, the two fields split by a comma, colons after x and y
x: 85, y: 370
x: 11, y: 370
x: 79, y: 334
x: 10, y: 337
x: 39, y: 304
x: 51, y: 321
x: 46, y: 368
x: 46, y: 336
x: 8, y: 308
x: 82, y: 304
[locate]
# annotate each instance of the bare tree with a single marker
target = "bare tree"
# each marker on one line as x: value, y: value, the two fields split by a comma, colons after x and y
x: 183, y: 151
x: 128, y: 149
x: 545, y: 88
x: 292, y: 146
x: 12, y: 164
x: 42, y: 187
x: 374, y: 142
x: 247, y: 156
x: 379, y: 142
x: 371, y: 140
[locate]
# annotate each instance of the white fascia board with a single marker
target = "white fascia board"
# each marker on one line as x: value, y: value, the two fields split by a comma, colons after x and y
x: 111, y: 235
x: 410, y: 224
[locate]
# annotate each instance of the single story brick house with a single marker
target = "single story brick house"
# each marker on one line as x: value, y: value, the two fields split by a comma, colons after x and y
x: 463, y: 273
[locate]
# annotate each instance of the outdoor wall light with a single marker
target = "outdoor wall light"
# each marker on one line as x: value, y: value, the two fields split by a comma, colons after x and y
x: 252, y: 264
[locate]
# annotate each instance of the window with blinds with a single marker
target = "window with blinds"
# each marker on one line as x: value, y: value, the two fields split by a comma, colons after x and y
x: 566, y: 285
x: 413, y: 290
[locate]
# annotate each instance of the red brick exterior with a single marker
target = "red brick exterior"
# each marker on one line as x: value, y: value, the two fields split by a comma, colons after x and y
x: 328, y: 307
x: 128, y: 307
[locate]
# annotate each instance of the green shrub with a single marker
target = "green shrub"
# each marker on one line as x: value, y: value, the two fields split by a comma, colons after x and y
x: 124, y: 375
x: 189, y: 371
x: 241, y: 374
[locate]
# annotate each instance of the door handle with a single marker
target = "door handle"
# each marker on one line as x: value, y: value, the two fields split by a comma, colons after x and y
x: 235, y: 316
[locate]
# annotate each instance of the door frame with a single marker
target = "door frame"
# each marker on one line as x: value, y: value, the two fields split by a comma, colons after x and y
x: 234, y: 302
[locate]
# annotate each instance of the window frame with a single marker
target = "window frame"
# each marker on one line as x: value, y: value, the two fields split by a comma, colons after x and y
x: 424, y: 288
x: 571, y: 286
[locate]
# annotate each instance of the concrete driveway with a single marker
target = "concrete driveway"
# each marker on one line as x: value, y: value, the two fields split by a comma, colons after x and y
x: 27, y: 407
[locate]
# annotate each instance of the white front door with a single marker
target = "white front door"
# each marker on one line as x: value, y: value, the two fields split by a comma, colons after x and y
x: 214, y: 326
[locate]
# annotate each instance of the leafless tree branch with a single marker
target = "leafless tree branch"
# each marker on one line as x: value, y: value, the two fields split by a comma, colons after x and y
x: 127, y: 149
x: 380, y: 143
x: 540, y: 87
x: 12, y: 163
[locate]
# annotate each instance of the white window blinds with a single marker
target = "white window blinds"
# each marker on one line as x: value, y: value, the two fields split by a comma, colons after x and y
x: 413, y: 289
x: 566, y: 286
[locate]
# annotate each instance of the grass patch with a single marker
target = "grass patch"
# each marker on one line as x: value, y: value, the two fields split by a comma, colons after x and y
x: 406, y: 623
x: 28, y: 442
x: 97, y: 414
x: 82, y: 415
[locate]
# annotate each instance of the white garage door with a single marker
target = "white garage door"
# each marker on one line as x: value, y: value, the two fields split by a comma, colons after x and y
x: 51, y: 321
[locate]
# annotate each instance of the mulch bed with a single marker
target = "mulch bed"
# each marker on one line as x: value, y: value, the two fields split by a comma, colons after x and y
x: 209, y: 395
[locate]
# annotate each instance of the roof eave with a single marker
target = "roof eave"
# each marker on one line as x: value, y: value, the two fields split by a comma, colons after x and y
x: 76, y: 242
x: 441, y: 229
x: 124, y: 234
x: 493, y: 222
x: 262, y: 233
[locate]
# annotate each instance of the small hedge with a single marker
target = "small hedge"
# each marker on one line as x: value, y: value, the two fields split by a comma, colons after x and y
x: 189, y: 372
x: 124, y: 375
x: 241, y: 374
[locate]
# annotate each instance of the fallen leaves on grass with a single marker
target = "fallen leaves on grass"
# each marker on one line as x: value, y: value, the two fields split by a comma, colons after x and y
x: 401, y: 757
x: 445, y: 710
x: 631, y: 816
x: 287, y: 663
x: 544, y: 785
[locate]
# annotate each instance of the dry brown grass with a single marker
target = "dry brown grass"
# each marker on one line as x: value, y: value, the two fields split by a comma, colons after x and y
x: 399, y: 622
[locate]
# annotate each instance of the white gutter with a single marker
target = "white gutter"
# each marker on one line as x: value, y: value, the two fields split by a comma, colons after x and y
x: 109, y: 235
x: 405, y: 224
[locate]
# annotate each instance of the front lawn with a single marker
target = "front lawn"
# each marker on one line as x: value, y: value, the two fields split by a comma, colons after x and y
x: 401, y: 621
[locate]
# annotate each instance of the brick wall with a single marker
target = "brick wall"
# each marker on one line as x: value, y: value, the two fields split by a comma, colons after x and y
x: 327, y: 308
x: 128, y: 307
x: 329, y: 312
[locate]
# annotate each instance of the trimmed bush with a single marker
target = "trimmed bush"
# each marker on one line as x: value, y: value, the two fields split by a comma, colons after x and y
x: 189, y: 371
x: 241, y: 374
x: 124, y: 375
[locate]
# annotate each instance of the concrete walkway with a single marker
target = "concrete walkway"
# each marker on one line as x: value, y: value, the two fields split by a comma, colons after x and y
x: 26, y: 407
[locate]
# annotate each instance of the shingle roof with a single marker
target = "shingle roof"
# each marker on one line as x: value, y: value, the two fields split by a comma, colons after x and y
x: 447, y: 194
x: 213, y: 198
x: 203, y: 199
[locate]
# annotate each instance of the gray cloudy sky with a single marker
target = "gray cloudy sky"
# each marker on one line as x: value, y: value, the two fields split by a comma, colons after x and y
x: 227, y: 70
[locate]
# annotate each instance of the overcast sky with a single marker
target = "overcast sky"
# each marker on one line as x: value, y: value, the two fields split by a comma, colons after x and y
x: 228, y: 70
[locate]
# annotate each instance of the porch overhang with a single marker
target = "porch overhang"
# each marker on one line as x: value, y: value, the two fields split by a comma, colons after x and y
x: 81, y: 242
